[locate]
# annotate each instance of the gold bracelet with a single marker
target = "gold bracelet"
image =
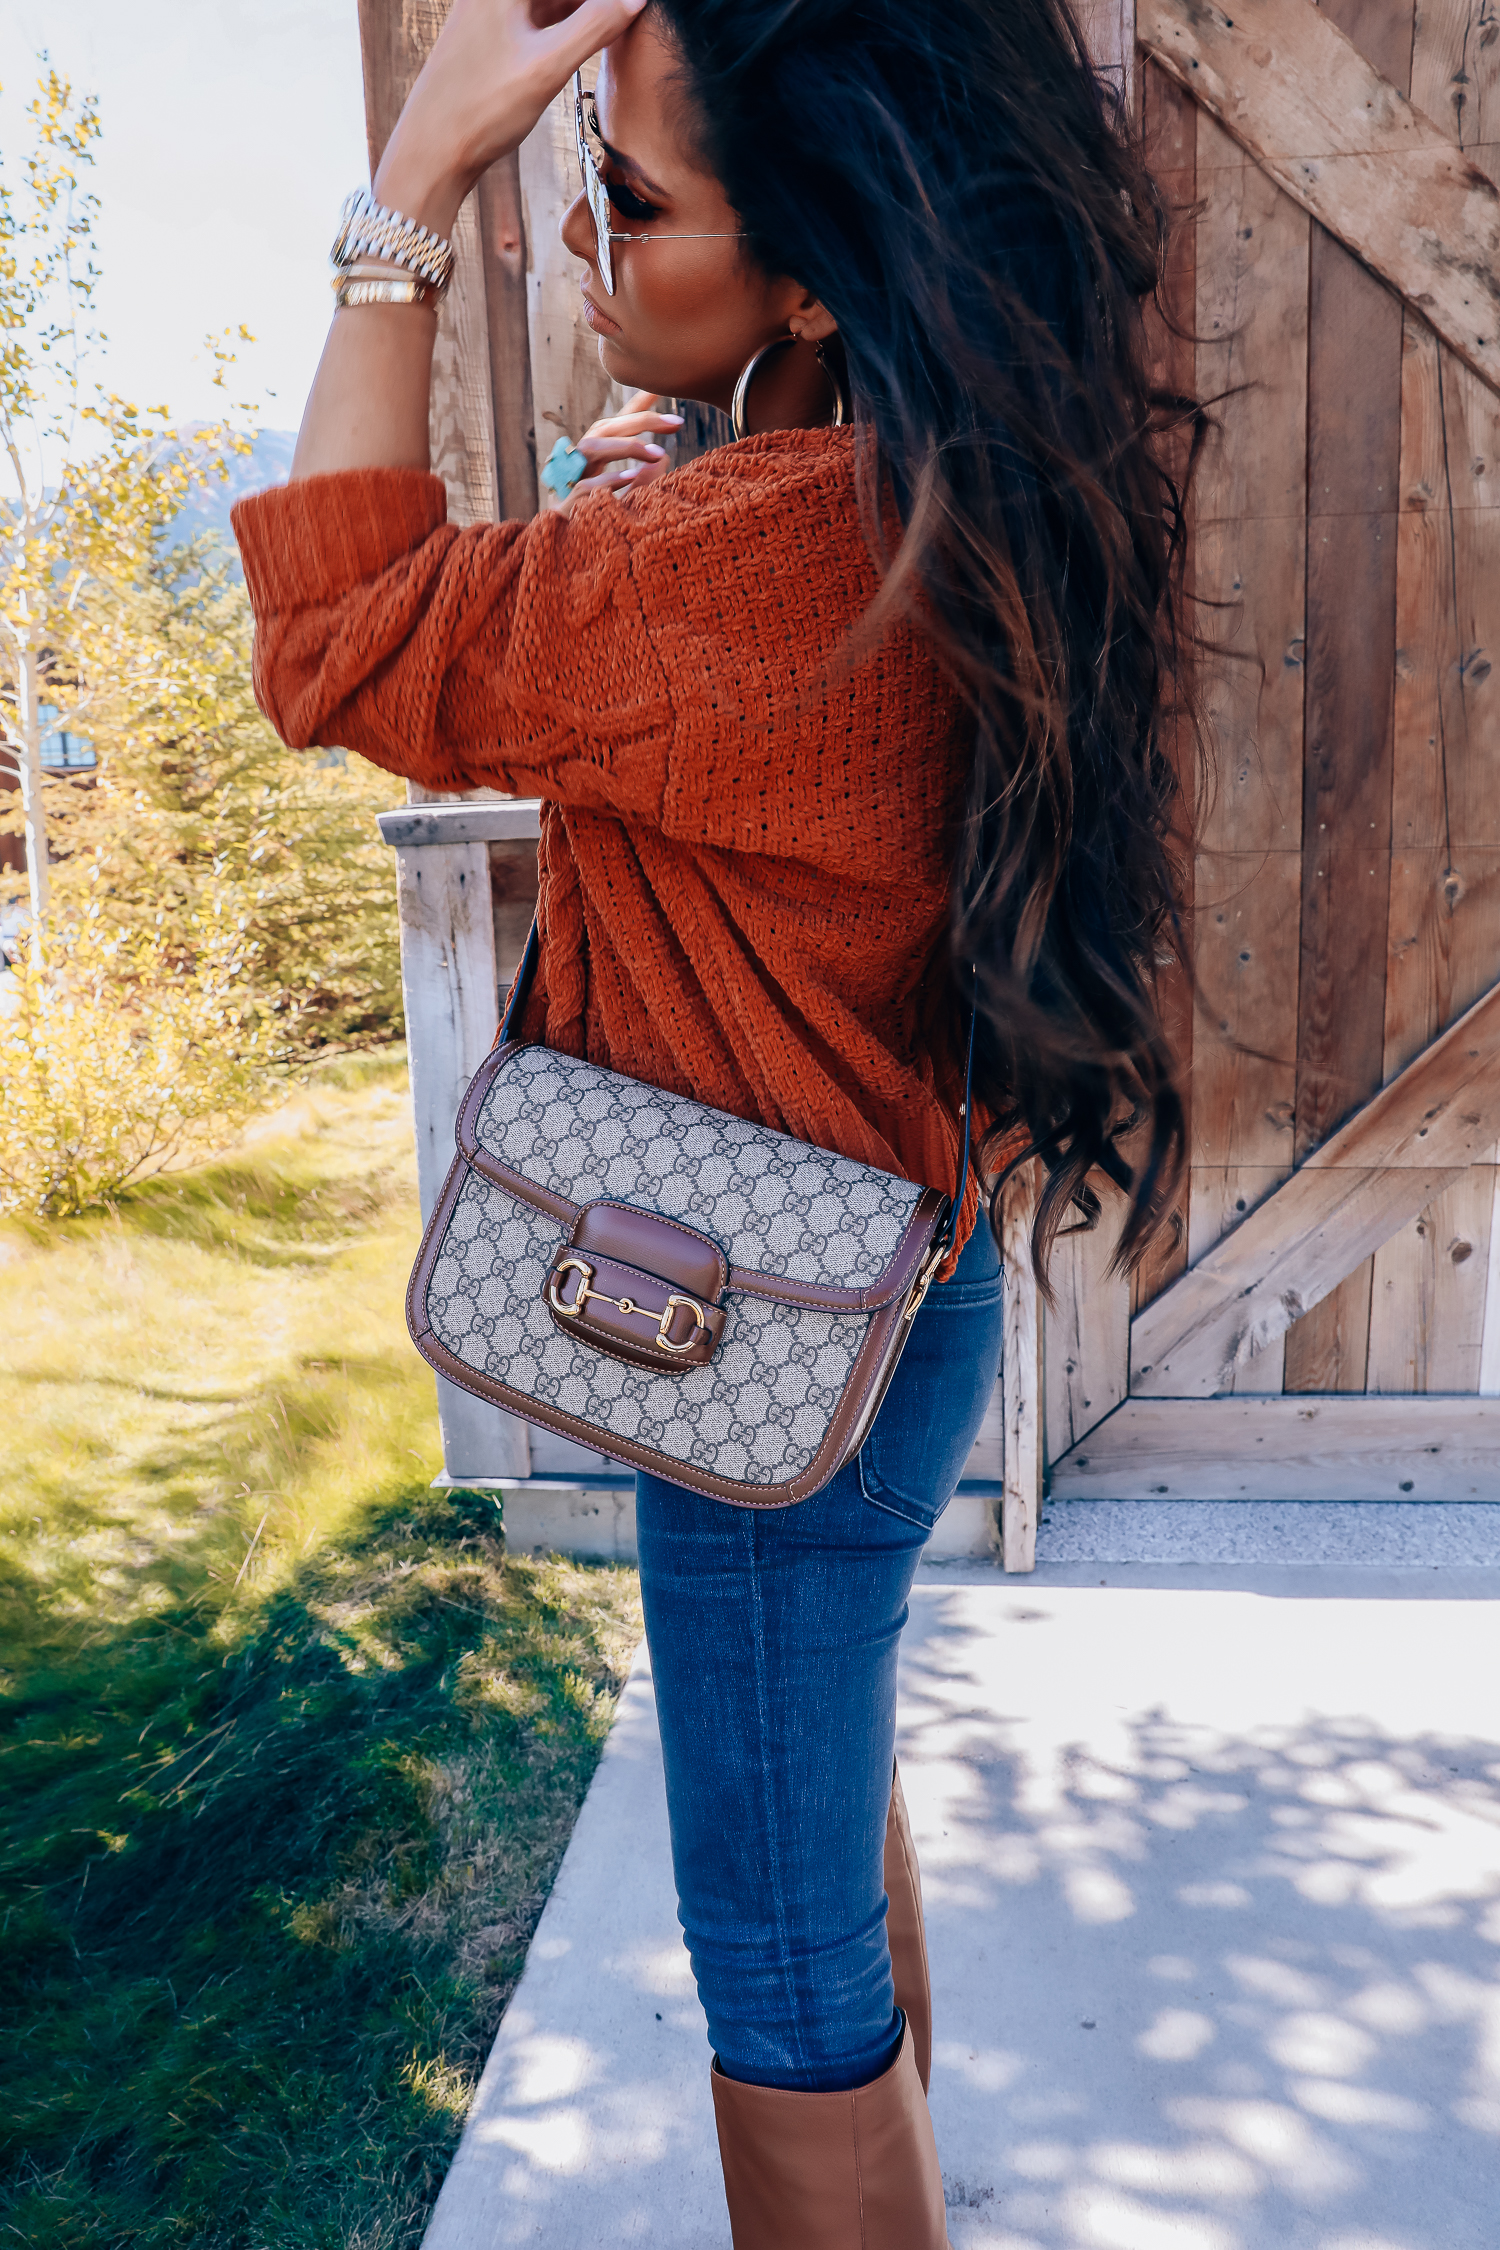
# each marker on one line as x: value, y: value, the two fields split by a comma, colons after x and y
x: 366, y: 227
x: 381, y: 289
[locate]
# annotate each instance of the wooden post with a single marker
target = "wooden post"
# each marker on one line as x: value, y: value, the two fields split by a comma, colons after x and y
x: 502, y: 234
x: 448, y: 987
x: 1021, y: 1376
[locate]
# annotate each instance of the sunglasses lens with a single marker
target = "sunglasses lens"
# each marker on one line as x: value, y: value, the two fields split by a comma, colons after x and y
x: 599, y: 205
x: 593, y: 186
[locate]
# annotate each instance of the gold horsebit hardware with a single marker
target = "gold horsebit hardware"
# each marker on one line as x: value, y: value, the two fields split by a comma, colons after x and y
x: 586, y: 1290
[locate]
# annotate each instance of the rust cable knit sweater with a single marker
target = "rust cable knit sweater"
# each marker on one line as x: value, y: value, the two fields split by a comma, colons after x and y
x: 745, y: 840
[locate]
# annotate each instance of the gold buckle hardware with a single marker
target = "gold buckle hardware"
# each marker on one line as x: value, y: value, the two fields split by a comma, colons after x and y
x: 924, y: 1282
x: 586, y: 1290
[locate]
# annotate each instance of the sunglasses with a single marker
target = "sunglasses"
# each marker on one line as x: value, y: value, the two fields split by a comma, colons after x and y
x: 586, y: 130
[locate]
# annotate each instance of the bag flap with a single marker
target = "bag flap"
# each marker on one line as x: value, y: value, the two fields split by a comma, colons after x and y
x: 795, y: 1222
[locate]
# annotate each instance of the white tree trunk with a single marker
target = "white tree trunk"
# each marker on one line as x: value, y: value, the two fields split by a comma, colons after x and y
x: 29, y: 765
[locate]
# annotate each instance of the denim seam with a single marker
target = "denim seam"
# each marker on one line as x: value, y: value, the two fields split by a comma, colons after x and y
x: 773, y: 1840
x: 902, y: 1515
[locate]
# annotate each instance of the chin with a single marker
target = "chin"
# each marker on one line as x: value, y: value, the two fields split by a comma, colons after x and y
x: 632, y: 373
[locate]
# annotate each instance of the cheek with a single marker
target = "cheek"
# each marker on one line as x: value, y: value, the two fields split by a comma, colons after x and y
x: 692, y: 299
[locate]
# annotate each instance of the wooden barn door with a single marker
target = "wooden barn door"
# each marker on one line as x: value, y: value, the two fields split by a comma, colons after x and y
x: 1328, y: 1323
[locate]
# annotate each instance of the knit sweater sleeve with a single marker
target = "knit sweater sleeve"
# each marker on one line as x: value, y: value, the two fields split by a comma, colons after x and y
x: 511, y: 655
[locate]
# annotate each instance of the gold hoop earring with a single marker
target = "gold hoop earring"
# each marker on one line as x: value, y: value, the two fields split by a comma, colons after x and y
x: 842, y: 408
x: 741, y: 397
x: 739, y: 403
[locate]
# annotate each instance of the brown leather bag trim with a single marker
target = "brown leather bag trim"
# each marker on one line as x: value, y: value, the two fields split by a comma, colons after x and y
x: 634, y: 1210
x: 816, y: 1296
x: 872, y: 1371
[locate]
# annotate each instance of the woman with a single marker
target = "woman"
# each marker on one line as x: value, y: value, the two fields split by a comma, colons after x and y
x: 834, y: 729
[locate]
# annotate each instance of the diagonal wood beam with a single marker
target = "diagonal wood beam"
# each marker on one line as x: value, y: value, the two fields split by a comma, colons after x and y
x: 1350, y: 149
x: 1403, y: 1148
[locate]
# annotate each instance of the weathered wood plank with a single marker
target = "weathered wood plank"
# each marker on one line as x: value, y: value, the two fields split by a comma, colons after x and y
x: 502, y: 237
x: 1169, y: 128
x: 1427, y: 1311
x: 1328, y: 1349
x: 986, y: 1462
x: 1245, y: 1037
x: 1342, y: 141
x: 1489, y: 1350
x: 460, y: 414
x: 1108, y: 27
x: 463, y: 820
x: 1429, y: 1295
x: 1447, y: 779
x: 1086, y: 1332
x: 513, y: 892
x: 1435, y: 1112
x: 1354, y: 426
x: 1222, y: 1197
x: 1021, y: 1376
x: 1444, y: 943
x: 1455, y: 75
x: 449, y: 989
x: 1249, y: 585
x: 1288, y: 1449
x: 1379, y: 1170
x: 1249, y: 523
x: 1382, y: 33
x: 1354, y: 459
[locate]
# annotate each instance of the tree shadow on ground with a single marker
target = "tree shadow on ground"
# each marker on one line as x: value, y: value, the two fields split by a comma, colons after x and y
x: 1207, y: 1988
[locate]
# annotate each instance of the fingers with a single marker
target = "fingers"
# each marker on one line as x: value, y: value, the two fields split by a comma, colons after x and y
x: 632, y: 425
x: 603, y: 449
x: 621, y: 476
x: 567, y: 45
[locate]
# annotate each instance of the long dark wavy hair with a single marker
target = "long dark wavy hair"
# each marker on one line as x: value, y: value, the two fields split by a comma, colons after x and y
x: 961, y: 191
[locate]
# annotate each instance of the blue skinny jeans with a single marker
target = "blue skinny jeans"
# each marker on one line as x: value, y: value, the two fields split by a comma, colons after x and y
x: 773, y: 1641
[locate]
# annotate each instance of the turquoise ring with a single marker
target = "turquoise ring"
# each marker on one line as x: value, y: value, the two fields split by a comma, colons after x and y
x: 563, y: 467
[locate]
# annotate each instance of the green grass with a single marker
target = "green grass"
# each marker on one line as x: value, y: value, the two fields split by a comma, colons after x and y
x: 289, y: 1749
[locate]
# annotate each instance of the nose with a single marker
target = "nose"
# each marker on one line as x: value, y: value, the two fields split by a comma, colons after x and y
x: 576, y: 229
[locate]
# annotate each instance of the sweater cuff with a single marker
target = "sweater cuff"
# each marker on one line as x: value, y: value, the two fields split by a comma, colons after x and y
x: 315, y: 540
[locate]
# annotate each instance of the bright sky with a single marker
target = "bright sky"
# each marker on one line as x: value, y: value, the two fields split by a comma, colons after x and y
x: 231, y: 136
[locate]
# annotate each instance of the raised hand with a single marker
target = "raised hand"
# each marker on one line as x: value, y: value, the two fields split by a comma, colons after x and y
x: 620, y: 453
x: 493, y: 69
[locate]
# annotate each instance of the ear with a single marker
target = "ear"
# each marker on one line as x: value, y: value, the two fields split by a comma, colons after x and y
x: 809, y: 320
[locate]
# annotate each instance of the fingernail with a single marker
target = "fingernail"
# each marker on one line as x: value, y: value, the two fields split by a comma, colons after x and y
x: 676, y: 419
x: 657, y: 452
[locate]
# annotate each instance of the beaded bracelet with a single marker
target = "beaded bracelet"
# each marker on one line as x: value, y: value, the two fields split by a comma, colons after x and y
x: 368, y: 229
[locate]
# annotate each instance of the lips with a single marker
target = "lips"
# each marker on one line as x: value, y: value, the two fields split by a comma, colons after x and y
x: 597, y: 319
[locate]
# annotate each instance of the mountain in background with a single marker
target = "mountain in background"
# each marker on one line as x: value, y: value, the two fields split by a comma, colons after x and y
x: 206, y: 510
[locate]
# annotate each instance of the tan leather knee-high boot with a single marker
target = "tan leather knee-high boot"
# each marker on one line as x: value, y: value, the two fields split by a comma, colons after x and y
x: 856, y: 2171
x: 905, y: 1932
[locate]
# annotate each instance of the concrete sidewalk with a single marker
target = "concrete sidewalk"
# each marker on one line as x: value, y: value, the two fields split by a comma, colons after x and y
x: 1212, y: 1863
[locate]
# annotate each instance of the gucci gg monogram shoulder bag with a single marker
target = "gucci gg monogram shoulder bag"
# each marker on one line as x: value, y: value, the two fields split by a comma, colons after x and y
x: 693, y: 1294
